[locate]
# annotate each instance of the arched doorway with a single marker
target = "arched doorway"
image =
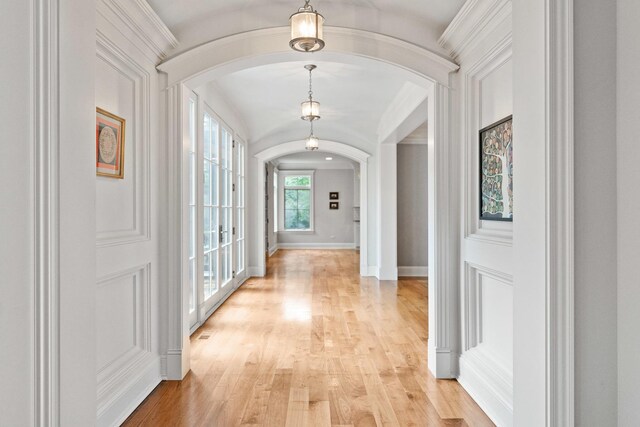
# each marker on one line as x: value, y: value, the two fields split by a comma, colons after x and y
x: 269, y: 46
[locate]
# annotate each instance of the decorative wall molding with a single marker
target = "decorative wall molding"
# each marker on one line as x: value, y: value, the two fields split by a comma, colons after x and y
x: 472, y: 77
x: 475, y: 19
x: 126, y: 66
x: 443, y: 164
x: 140, y: 18
x: 260, y: 47
x: 123, y: 376
x: 46, y: 192
x: 491, y: 388
x: 560, y: 216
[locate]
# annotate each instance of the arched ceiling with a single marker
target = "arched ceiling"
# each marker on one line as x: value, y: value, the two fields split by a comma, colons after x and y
x: 354, y: 99
x: 194, y: 22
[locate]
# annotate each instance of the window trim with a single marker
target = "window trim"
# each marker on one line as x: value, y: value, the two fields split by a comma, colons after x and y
x: 281, y: 189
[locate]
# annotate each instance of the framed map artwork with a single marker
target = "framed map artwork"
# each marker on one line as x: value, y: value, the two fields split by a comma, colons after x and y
x: 110, y: 131
x: 496, y: 171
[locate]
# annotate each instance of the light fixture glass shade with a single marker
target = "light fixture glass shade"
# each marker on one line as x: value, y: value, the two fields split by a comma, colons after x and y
x: 310, y: 110
x: 312, y: 143
x: 306, y: 30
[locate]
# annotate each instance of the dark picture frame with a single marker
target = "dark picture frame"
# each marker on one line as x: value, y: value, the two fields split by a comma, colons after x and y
x: 110, y: 138
x: 496, y: 171
x: 334, y: 205
x: 334, y: 195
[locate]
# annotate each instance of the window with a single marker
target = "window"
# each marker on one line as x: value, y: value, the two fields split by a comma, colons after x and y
x: 298, y: 201
x: 275, y: 201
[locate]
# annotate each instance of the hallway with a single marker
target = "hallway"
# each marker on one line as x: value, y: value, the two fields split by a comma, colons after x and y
x: 313, y: 344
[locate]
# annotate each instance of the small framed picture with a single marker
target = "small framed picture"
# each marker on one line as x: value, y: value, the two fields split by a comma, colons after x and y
x: 496, y: 171
x: 334, y: 205
x: 110, y: 131
x: 334, y: 195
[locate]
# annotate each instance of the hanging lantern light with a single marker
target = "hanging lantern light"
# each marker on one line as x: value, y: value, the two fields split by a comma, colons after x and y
x: 312, y: 141
x: 310, y: 108
x: 306, y: 29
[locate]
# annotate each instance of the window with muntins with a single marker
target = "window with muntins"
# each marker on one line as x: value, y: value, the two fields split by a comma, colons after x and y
x: 297, y: 202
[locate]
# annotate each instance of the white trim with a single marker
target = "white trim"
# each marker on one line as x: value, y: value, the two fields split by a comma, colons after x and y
x: 279, y: 196
x: 45, y: 136
x: 413, y: 271
x: 325, y: 246
x: 299, y: 147
x: 485, y: 382
x: 560, y: 215
x: 128, y: 389
x: 474, y: 19
x: 141, y: 19
x: 273, y: 249
x: 260, y: 47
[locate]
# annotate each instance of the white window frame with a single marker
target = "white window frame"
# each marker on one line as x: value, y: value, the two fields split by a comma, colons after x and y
x: 276, y: 176
x: 281, y: 189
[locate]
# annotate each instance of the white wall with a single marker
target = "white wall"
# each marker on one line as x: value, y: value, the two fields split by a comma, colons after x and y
x: 17, y: 213
x: 332, y: 228
x: 47, y: 248
x: 128, y: 278
x: 628, y: 168
x: 486, y: 96
x: 412, y: 208
x: 596, y: 370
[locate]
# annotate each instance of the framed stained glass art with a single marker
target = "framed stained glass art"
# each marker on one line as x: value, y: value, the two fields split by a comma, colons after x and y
x: 496, y: 171
x: 110, y: 133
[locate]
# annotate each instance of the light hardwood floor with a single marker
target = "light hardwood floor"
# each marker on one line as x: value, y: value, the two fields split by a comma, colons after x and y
x: 313, y: 344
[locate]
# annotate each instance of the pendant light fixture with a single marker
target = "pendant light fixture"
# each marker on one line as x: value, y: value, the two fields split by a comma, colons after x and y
x: 312, y: 141
x: 310, y: 108
x: 306, y: 29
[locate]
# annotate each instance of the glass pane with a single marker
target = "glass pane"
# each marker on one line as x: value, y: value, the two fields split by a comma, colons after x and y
x: 192, y: 179
x: 207, y: 136
x: 297, y: 181
x: 304, y: 221
x: 214, y: 184
x: 207, y: 276
x: 207, y: 183
x: 192, y: 285
x: 304, y: 199
x: 207, y: 224
x: 291, y: 219
x: 192, y: 231
x: 214, y: 228
x: 214, y: 140
x: 290, y: 199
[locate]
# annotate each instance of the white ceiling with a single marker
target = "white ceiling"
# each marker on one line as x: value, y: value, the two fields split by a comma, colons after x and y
x: 353, y: 97
x: 197, y: 21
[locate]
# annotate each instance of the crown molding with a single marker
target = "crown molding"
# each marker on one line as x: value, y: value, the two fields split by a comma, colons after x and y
x: 476, y: 17
x: 140, y: 18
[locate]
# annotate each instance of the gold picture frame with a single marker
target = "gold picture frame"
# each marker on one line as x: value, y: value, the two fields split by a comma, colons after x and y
x: 110, y: 139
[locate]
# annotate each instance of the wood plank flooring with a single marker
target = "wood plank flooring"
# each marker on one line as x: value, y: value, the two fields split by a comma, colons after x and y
x: 313, y: 344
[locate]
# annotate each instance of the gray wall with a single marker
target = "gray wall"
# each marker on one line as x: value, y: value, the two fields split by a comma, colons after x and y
x: 412, y: 206
x: 628, y: 168
x: 330, y: 226
x: 595, y: 212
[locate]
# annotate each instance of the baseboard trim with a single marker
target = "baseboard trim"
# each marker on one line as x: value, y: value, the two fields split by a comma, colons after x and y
x: 114, y: 409
x: 273, y: 250
x: 413, y: 271
x: 257, y: 271
x: 316, y: 246
x: 490, y: 389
